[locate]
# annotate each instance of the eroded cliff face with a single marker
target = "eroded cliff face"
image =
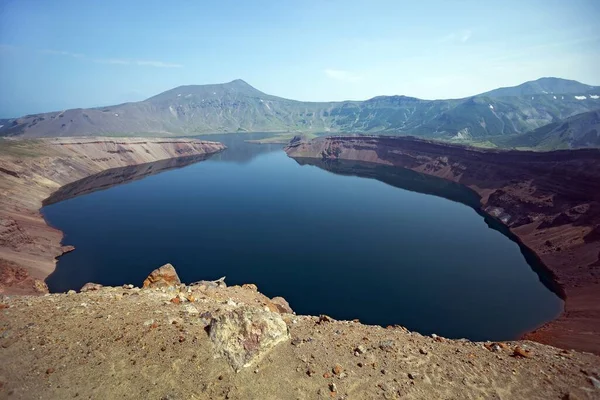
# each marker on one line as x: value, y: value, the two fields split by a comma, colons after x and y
x: 549, y: 201
x: 30, y: 171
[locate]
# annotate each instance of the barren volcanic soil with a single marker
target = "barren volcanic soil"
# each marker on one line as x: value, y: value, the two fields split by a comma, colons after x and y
x: 186, y: 342
x: 31, y: 170
x: 549, y: 201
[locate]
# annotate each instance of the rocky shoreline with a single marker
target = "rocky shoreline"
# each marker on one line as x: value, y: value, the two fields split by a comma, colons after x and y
x: 549, y: 202
x: 32, y: 170
x: 170, y: 340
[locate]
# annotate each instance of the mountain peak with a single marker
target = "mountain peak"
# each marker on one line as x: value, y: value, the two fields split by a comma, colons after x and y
x: 545, y: 85
x: 238, y: 82
x: 235, y: 87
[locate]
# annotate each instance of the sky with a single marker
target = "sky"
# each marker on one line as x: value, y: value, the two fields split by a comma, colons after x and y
x: 64, y: 54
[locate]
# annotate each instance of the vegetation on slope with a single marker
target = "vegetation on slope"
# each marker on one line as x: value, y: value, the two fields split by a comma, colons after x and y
x: 238, y: 107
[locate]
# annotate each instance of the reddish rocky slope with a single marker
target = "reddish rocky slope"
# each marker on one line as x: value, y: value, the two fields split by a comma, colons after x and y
x: 549, y: 201
x: 30, y: 171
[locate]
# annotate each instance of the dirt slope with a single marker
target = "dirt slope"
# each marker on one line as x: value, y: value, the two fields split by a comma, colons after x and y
x: 31, y: 170
x: 120, y: 343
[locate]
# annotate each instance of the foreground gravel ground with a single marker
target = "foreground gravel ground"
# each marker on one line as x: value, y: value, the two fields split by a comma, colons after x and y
x: 131, y: 343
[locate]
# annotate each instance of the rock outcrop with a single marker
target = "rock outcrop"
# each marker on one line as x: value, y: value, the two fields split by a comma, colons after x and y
x: 162, y: 277
x: 31, y: 170
x: 245, y: 334
x: 550, y: 203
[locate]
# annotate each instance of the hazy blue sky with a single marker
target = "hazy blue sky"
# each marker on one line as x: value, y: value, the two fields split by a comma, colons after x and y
x: 64, y: 54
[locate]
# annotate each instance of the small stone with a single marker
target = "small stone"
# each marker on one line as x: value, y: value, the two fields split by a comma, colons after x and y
x: 71, y: 292
x: 437, y: 338
x: 595, y: 382
x: 333, y: 387
x: 343, y: 375
x: 49, y: 371
x: 337, y: 369
x: 386, y: 345
x: 521, y: 352
x: 190, y: 309
x: 90, y: 286
x: 324, y: 318
x: 494, y: 347
x: 128, y: 286
x: 175, y: 300
x: 413, y: 376
x: 360, y: 350
x: 360, y: 365
x: 250, y: 286
x: 326, y: 375
x: 423, y: 351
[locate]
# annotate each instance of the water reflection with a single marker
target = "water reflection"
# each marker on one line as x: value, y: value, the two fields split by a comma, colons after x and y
x: 238, y: 150
x: 117, y: 176
x: 417, y: 182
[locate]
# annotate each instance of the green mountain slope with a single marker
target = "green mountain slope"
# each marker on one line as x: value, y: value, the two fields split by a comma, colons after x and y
x: 581, y: 130
x: 542, y: 86
x: 236, y: 106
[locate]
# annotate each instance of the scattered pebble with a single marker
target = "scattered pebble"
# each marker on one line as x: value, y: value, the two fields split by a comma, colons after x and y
x: 386, y: 345
x: 521, y: 352
x: 337, y: 369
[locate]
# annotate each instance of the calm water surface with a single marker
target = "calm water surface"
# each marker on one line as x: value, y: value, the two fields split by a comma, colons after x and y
x: 386, y: 246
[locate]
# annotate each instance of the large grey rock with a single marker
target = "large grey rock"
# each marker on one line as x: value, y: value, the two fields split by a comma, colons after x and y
x: 245, y: 334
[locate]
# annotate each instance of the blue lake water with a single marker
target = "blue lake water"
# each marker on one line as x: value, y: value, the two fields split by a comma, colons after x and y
x: 387, y: 246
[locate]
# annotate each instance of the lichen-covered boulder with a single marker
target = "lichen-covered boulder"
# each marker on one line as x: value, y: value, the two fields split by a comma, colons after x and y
x: 162, y: 277
x: 245, y: 334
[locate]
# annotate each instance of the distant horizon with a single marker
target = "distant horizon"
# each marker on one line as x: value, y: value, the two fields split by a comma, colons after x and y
x: 287, y: 98
x: 67, y: 54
